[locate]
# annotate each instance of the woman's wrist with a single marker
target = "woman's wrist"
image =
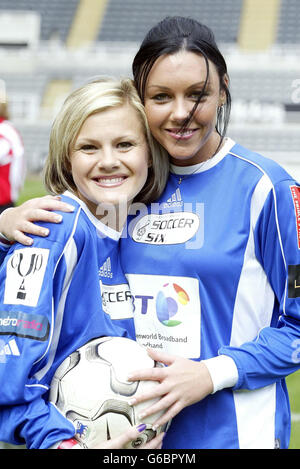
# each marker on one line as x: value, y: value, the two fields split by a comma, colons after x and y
x: 223, y: 372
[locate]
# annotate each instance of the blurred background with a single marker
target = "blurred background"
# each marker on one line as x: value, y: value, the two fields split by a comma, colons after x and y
x: 49, y: 47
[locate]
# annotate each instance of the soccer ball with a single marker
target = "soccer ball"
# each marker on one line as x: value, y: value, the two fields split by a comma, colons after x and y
x: 91, y: 390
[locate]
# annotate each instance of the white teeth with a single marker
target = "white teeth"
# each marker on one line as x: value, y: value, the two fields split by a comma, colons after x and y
x: 110, y: 181
x: 188, y: 132
x: 184, y: 133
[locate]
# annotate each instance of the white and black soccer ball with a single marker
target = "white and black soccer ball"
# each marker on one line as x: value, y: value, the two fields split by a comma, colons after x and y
x: 91, y: 390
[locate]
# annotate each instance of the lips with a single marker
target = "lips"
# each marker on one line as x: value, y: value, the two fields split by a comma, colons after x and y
x: 178, y: 134
x: 110, y: 181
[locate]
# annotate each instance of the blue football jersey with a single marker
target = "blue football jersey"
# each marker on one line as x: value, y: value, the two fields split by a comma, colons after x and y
x: 51, y: 304
x: 214, y: 269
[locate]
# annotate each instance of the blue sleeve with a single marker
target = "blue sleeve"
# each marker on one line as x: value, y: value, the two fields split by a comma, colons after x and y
x: 27, y: 295
x: 275, y: 352
x: 4, y: 248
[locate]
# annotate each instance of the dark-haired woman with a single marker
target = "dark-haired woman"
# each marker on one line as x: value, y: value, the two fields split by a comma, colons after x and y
x: 215, y: 272
x: 214, y: 266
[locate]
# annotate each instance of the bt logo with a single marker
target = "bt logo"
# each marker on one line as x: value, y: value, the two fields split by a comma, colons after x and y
x: 168, y: 301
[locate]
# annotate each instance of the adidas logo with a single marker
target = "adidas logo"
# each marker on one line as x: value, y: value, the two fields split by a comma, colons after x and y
x: 10, y: 348
x: 175, y: 200
x: 105, y: 270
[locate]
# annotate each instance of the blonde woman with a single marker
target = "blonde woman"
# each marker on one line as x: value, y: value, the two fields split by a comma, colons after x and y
x: 101, y: 157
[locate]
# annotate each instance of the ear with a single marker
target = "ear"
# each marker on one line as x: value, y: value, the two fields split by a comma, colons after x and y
x: 223, y: 87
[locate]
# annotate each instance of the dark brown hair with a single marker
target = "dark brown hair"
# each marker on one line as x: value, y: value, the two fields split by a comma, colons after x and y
x: 179, y: 33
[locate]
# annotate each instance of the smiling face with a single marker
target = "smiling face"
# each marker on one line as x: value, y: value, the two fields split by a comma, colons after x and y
x: 173, y: 86
x: 109, y: 159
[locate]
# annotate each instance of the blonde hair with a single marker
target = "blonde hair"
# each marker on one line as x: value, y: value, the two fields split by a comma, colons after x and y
x: 89, y: 99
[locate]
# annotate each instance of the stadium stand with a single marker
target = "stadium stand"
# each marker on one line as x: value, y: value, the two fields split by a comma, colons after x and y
x: 261, y: 18
x: 131, y: 23
x: 80, y: 39
x: 86, y: 23
x: 56, y: 16
x: 288, y: 31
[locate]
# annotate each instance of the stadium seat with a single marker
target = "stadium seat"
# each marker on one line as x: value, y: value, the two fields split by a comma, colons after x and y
x: 288, y: 31
x: 222, y: 16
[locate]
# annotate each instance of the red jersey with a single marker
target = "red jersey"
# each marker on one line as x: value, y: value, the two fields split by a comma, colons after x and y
x: 12, y: 166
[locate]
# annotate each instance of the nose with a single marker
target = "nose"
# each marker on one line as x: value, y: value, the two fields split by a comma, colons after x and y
x: 180, y: 110
x: 108, y: 158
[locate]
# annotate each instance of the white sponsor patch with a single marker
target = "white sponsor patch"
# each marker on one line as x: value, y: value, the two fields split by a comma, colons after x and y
x: 167, y: 313
x: 166, y: 228
x: 117, y: 300
x: 25, y: 273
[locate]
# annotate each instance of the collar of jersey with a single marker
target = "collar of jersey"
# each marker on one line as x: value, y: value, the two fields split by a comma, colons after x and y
x: 106, y: 230
x: 200, y: 167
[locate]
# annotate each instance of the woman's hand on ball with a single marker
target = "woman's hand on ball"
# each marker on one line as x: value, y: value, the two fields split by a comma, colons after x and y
x: 182, y: 382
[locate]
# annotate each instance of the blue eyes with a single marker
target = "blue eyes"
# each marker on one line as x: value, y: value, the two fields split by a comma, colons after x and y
x: 87, y: 148
x: 160, y: 97
x: 165, y: 97
x: 125, y: 145
x: 90, y: 148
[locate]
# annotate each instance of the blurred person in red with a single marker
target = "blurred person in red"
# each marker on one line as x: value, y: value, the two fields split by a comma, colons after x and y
x: 12, y: 164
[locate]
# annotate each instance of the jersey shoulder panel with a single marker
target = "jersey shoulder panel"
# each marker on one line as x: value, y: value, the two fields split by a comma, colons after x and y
x: 59, y: 233
x: 265, y: 165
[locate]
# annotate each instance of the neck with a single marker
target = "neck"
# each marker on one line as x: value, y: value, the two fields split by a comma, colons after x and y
x: 113, y: 216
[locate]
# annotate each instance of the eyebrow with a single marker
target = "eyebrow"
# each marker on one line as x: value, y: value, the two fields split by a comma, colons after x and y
x: 194, y: 85
x: 86, y: 139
